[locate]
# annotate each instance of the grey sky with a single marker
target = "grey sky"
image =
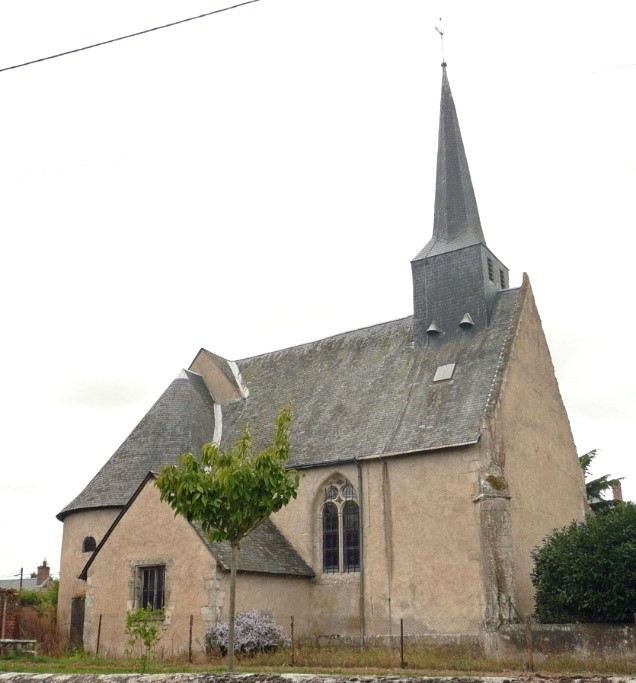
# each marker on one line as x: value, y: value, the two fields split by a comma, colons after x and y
x: 263, y: 177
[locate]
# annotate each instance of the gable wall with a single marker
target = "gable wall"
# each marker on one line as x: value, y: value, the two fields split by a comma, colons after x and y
x: 533, y: 437
x: 77, y: 526
x: 150, y: 534
x: 421, y: 546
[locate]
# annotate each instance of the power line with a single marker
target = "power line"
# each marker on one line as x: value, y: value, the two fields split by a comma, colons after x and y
x: 130, y: 35
x: 614, y: 68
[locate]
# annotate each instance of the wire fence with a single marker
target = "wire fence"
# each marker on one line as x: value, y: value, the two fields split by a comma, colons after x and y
x: 328, y: 641
x: 183, y: 636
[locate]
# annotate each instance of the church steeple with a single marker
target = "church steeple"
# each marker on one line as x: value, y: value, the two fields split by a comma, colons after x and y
x: 455, y: 275
x: 456, y: 222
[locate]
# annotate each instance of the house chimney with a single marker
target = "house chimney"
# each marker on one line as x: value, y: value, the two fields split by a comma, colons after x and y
x: 617, y: 491
x: 43, y: 573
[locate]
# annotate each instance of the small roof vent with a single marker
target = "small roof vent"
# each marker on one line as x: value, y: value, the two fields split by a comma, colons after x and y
x: 433, y: 329
x: 466, y: 322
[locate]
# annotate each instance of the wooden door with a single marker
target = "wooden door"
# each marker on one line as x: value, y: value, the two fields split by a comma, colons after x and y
x: 77, y: 621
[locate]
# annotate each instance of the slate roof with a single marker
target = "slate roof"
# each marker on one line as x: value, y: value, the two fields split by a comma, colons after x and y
x: 369, y: 392
x: 14, y: 584
x: 265, y: 551
x: 181, y: 420
x: 355, y: 395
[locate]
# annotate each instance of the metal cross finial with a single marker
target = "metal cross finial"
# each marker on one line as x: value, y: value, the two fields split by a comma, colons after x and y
x: 441, y: 35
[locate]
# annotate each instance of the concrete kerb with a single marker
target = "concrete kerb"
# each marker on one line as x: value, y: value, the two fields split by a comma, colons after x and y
x: 9, y: 677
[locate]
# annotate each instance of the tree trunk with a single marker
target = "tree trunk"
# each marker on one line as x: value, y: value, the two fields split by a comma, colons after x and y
x: 230, y: 635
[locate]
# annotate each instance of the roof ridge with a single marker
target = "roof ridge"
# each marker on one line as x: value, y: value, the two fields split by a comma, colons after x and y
x: 324, y: 339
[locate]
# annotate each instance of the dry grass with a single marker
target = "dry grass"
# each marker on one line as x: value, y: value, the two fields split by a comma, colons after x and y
x: 333, y: 659
x: 40, y: 625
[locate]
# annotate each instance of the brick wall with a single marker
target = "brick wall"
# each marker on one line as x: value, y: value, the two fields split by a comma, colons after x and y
x: 8, y: 613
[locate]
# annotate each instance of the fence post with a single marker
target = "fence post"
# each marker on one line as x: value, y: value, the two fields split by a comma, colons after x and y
x: 529, y: 645
x: 402, y: 662
x: 99, y: 635
x: 293, y: 659
x: 190, y: 640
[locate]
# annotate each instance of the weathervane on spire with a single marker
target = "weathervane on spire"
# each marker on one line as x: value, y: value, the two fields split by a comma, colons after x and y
x: 441, y: 35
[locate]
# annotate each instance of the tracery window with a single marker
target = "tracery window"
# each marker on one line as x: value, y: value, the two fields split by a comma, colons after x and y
x: 340, y: 529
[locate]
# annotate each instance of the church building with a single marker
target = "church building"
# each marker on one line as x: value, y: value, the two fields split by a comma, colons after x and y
x: 435, y: 452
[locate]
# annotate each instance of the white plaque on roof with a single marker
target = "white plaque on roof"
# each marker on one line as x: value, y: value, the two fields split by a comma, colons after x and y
x: 444, y: 372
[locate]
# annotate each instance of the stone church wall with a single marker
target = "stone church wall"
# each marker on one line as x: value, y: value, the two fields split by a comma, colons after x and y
x: 421, y: 545
x: 149, y: 534
x: 532, y: 434
x: 78, y: 526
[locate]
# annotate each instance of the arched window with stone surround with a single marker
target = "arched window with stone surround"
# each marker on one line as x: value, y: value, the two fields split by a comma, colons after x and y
x: 340, y: 519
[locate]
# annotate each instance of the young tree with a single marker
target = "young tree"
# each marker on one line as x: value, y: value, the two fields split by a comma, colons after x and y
x: 231, y: 493
x: 586, y: 572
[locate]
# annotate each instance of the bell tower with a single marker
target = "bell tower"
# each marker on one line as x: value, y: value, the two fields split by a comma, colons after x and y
x: 455, y: 276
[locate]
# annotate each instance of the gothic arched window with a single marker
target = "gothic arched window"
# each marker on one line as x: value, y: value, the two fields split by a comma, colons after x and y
x: 340, y: 529
x: 351, y: 537
x: 330, y: 539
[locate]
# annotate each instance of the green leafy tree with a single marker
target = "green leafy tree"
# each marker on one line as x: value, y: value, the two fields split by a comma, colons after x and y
x: 596, y: 488
x: 230, y: 493
x: 586, y: 572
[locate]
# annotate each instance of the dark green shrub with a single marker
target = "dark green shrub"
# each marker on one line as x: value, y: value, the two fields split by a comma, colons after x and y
x: 586, y: 572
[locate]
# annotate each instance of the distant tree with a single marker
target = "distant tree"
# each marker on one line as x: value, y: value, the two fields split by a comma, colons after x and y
x: 586, y: 572
x: 231, y: 493
x: 596, y: 488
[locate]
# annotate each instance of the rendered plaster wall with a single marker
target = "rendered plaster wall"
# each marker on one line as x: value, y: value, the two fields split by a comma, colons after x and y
x: 284, y: 596
x: 421, y: 546
x: 332, y: 604
x: 77, y: 526
x: 149, y: 534
x: 532, y: 437
x: 422, y: 553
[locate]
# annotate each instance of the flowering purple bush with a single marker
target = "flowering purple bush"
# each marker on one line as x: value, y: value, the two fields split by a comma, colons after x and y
x: 253, y: 632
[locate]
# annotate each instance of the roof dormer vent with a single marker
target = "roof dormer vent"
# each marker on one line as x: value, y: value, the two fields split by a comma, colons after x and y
x: 466, y: 322
x: 433, y: 330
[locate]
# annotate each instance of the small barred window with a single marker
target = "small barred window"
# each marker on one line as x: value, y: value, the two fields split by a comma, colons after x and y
x: 152, y: 581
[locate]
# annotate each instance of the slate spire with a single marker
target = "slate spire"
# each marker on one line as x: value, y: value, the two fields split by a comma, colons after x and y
x: 455, y: 276
x: 456, y: 223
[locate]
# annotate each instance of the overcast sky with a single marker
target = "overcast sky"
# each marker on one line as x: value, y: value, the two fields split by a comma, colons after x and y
x: 262, y: 177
